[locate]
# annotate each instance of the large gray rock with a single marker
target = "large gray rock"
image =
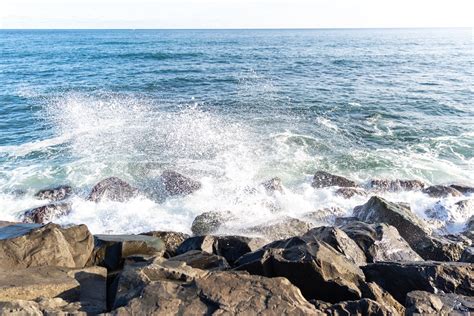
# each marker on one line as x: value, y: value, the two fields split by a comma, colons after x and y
x: 209, y: 222
x: 326, y: 215
x: 178, y: 184
x: 172, y: 240
x: 54, y: 194
x: 425, y: 303
x: 380, y: 242
x: 322, y: 179
x: 317, y: 269
x: 282, y: 228
x: 411, y: 228
x: 31, y: 245
x: 401, y: 278
x: 339, y: 240
x: 113, y: 189
x: 396, y: 185
x: 46, y: 213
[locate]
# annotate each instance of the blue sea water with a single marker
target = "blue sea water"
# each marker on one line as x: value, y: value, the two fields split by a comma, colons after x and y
x: 232, y: 108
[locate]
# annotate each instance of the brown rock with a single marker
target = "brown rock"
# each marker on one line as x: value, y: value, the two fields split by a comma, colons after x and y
x: 441, y: 191
x: 46, y: 213
x: 54, y: 194
x: 324, y: 179
x: 172, y: 240
x: 20, y: 308
x: 202, y: 260
x: 374, y: 292
x: 425, y: 303
x: 347, y: 193
x: 113, y: 189
x: 361, y: 307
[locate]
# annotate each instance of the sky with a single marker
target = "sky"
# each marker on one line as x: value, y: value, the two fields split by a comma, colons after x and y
x: 235, y: 13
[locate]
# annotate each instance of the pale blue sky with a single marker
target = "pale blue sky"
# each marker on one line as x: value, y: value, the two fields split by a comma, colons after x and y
x: 234, y: 13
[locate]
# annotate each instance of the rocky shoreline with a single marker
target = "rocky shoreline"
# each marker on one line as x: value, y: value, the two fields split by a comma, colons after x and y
x: 382, y: 260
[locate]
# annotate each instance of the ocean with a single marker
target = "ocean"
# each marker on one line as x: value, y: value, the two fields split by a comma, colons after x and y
x: 233, y: 108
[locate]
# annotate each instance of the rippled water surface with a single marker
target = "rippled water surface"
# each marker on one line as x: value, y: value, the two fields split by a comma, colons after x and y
x: 231, y: 108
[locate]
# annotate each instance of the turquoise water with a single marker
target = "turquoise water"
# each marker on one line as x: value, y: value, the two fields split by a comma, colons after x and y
x: 230, y: 108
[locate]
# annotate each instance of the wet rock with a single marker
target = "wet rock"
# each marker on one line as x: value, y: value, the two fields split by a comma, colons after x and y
x: 46, y: 213
x: 339, y: 240
x: 110, y: 251
x: 326, y: 215
x: 202, y: 260
x: 396, y: 185
x: 178, y: 184
x: 374, y: 292
x: 465, y: 205
x: 322, y: 179
x: 341, y: 221
x: 347, y: 193
x: 172, y: 240
x: 283, y: 228
x: 54, y: 194
x: 380, y: 242
x: 361, y: 307
x: 273, y: 185
x: 425, y: 303
x: 31, y: 245
x: 229, y: 247
x: 171, y: 290
x: 410, y: 227
x: 467, y: 255
x: 209, y: 222
x: 441, y: 191
x: 401, y: 278
x: 318, y: 270
x: 113, y: 189
x: 469, y: 229
x: 464, y: 189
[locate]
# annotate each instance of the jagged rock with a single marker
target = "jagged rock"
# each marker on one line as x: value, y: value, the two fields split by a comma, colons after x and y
x: 31, y: 245
x: 172, y: 240
x: 347, y: 193
x: 425, y: 303
x: 20, y: 308
x: 110, y: 251
x: 396, y: 185
x: 229, y: 247
x: 341, y: 221
x: 209, y: 222
x: 441, y: 191
x: 178, y: 184
x: 467, y: 255
x: 273, y: 185
x: 464, y: 189
x: 283, y: 228
x: 401, y: 278
x: 86, y: 286
x: 46, y: 213
x: 361, y: 307
x: 380, y: 242
x: 322, y: 179
x: 54, y: 194
x: 318, y: 270
x: 410, y: 227
x: 114, y: 189
x: 374, y: 292
x: 163, y: 289
x: 339, y: 240
x: 326, y: 215
x: 202, y: 260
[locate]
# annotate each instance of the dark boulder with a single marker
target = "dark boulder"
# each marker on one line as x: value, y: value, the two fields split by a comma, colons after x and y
x: 380, y: 242
x: 202, y: 260
x: 273, y: 185
x: 178, y: 184
x: 339, y: 240
x: 441, y: 191
x: 113, y: 189
x: 282, y: 228
x: 410, y: 227
x: 54, y: 194
x: 467, y: 255
x: 209, y: 222
x: 229, y: 247
x: 46, y: 213
x: 401, y: 278
x: 396, y: 185
x: 172, y: 240
x: 322, y: 179
x: 425, y: 303
x: 347, y: 193
x: 318, y: 270
x: 464, y: 189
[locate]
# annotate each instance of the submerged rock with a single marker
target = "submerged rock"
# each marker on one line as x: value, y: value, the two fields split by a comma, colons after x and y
x: 425, y: 303
x: 318, y: 270
x: 113, y: 189
x: 401, y: 278
x: 31, y: 245
x: 380, y: 242
x: 396, y: 185
x: 178, y: 184
x: 322, y: 179
x: 441, y: 191
x: 273, y: 185
x: 54, y: 194
x: 46, y: 213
